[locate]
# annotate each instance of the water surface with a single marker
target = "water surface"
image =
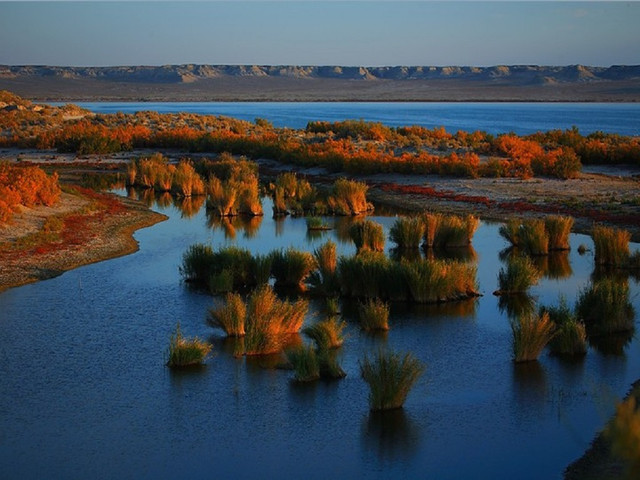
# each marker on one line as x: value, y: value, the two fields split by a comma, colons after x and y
x: 84, y: 392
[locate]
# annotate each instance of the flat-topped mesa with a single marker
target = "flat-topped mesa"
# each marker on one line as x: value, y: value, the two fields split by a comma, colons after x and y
x: 187, y: 73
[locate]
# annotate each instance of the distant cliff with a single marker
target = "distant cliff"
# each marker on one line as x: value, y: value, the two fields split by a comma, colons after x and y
x: 260, y: 82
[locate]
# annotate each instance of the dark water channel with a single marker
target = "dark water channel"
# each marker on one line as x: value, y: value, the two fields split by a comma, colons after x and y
x: 84, y: 392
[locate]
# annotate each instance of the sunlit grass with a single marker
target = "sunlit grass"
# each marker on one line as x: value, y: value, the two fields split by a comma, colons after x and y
x: 390, y: 377
x: 348, y: 197
x: 558, y: 230
x: 184, y: 352
x: 407, y: 232
x: 231, y: 316
x: 531, y: 333
x: 291, y: 267
x: 611, y: 245
x: 367, y: 236
x: 327, y: 334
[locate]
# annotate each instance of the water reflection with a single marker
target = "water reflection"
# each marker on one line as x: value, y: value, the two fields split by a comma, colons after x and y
x: 189, y: 206
x: 391, y: 435
x: 554, y: 266
x: 516, y: 305
x: 529, y: 384
x: 250, y: 226
x: 611, y: 344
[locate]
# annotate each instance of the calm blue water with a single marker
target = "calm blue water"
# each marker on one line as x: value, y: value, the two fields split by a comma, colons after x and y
x: 84, y: 392
x: 495, y: 118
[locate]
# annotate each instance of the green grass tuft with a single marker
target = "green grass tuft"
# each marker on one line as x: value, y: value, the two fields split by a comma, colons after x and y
x: 390, y: 377
x: 519, y: 275
x: 184, y: 352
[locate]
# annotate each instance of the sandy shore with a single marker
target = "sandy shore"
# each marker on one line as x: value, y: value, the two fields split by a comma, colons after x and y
x: 94, y: 227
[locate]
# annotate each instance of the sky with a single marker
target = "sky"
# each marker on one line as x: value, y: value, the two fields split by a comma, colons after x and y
x: 363, y: 33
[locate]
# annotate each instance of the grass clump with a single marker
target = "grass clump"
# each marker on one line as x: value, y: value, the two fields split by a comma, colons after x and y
x: 197, y: 263
x: 367, y: 235
x: 454, y: 231
x: 533, y: 237
x: 431, y: 281
x: 305, y: 363
x: 611, y: 245
x: 326, y: 334
x: 317, y: 223
x: 270, y: 321
x: 390, y: 377
x: 558, y: 230
x: 348, y: 197
x: 291, y: 267
x: 324, y: 278
x: 605, y: 307
x: 184, y: 352
x: 407, y: 232
x: 531, y: 333
x: 624, y: 434
x: 571, y: 337
x: 231, y: 316
x: 374, y: 315
x: 519, y: 275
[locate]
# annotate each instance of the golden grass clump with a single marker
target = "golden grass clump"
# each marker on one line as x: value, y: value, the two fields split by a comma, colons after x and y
x: 571, y: 336
x: 558, y: 230
x: 221, y: 198
x: 407, y: 232
x: 327, y: 334
x: 531, y: 333
x: 431, y: 222
x: 611, y: 244
x: 605, y: 307
x: 324, y: 278
x: 184, y: 352
x: 374, y: 315
x: 348, y: 197
x: 231, y: 316
x: 367, y: 235
x: 270, y: 320
x: 390, y: 377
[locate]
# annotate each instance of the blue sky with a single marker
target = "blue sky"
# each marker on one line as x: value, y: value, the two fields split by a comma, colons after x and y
x: 368, y: 33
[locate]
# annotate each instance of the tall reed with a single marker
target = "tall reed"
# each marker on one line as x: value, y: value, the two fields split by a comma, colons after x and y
x: 407, y: 232
x: 390, y: 377
x: 184, y: 351
x: 431, y: 223
x: 531, y: 333
x: 374, y: 315
x: 367, y: 235
x: 454, y: 231
x: 611, y: 244
x: 221, y: 198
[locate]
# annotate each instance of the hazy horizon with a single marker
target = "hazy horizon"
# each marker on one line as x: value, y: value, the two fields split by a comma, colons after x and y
x: 314, y: 33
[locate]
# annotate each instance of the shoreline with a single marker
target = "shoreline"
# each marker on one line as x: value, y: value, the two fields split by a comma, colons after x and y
x: 87, y: 237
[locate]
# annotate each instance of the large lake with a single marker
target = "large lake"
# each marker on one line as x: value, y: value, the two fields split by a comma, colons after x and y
x: 495, y: 118
x: 84, y: 392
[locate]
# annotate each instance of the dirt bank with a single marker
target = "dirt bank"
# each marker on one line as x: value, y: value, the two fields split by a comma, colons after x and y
x: 84, y: 227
